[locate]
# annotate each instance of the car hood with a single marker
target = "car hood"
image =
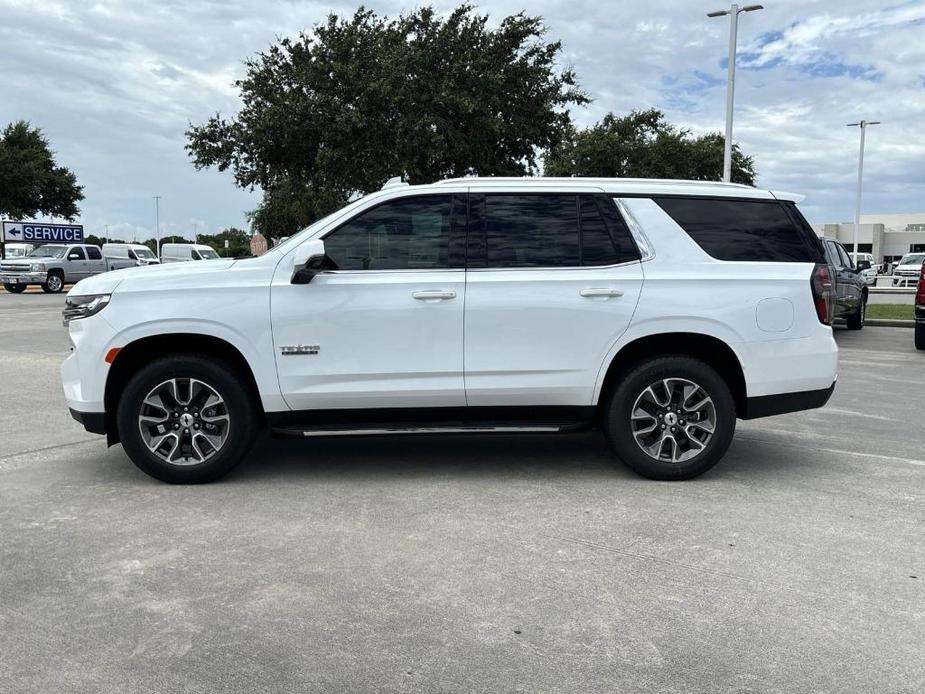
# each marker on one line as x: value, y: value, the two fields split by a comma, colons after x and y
x: 106, y: 282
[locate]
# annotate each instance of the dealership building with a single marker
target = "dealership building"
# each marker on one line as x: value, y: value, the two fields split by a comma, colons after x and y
x: 887, y: 236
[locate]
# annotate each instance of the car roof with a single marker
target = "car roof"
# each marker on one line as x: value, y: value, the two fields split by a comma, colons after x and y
x: 625, y: 186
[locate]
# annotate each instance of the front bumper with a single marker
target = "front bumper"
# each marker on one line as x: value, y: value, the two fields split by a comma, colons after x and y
x: 904, y: 280
x: 23, y: 277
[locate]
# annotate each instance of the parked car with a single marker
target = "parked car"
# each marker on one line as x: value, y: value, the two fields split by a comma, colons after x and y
x: 123, y: 255
x: 873, y: 269
x: 920, y: 311
x: 182, y: 252
x: 850, y: 285
x: 657, y: 311
x: 16, y: 250
x: 52, y: 266
x: 907, y: 269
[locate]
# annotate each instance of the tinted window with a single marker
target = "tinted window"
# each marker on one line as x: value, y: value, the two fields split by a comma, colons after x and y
x: 596, y: 243
x: 94, y: 253
x: 531, y: 231
x: 403, y: 234
x: 78, y: 252
x: 843, y: 258
x: 749, y: 230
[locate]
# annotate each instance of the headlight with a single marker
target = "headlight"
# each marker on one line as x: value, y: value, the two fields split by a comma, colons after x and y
x: 38, y: 267
x: 83, y: 306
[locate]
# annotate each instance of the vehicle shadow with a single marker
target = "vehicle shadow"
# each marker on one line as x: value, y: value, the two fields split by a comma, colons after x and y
x: 547, y: 456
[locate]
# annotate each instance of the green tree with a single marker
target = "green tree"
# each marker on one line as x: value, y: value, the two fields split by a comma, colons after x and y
x: 239, y: 242
x: 93, y: 240
x: 645, y: 145
x: 31, y: 183
x: 338, y: 111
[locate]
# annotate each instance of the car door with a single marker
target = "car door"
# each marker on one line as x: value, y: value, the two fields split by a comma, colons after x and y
x: 849, y: 282
x: 385, y: 329
x: 76, y: 264
x: 552, y: 282
x: 95, y: 261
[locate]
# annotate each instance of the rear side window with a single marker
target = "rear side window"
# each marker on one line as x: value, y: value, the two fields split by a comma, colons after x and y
x: 546, y: 230
x: 745, y: 230
x: 531, y: 231
x: 94, y: 253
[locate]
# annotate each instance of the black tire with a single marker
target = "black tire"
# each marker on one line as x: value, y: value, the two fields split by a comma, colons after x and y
x: 14, y: 288
x: 620, y: 430
x: 242, y: 418
x: 856, y: 320
x: 920, y: 335
x: 54, y: 283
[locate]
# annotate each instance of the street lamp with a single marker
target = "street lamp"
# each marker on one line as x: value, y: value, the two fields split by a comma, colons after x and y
x: 157, y: 224
x: 857, y: 200
x: 733, y: 13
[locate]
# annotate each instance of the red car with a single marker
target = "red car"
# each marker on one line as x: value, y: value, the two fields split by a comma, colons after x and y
x: 920, y: 311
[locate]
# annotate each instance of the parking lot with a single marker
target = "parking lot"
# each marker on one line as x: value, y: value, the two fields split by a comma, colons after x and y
x: 482, y: 563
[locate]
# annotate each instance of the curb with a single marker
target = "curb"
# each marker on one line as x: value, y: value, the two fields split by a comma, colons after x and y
x: 889, y: 323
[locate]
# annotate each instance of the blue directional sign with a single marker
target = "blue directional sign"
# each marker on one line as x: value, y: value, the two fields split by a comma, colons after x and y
x: 40, y: 232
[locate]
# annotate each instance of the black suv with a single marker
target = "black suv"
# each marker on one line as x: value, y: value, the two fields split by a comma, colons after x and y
x: 850, y: 288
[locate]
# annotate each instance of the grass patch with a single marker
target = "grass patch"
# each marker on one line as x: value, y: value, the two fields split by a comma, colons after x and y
x: 891, y: 311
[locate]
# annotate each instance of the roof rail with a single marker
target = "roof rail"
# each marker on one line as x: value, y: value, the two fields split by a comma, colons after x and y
x: 394, y: 182
x: 589, y: 179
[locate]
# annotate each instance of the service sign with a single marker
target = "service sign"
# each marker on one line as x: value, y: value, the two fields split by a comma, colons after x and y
x: 40, y: 232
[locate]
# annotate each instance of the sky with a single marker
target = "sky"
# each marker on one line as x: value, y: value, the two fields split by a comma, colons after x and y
x: 114, y: 84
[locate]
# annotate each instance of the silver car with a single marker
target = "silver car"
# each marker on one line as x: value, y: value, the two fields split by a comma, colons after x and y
x: 907, y: 270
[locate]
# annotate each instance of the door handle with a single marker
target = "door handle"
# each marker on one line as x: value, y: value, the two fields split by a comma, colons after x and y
x: 433, y: 294
x: 601, y: 292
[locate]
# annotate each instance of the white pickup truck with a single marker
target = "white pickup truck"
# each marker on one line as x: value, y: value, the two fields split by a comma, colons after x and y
x: 52, y: 266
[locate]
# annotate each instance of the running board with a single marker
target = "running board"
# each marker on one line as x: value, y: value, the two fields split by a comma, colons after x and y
x: 403, y: 430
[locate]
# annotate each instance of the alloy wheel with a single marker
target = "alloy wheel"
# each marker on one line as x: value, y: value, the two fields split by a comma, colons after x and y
x: 673, y: 420
x: 184, y: 421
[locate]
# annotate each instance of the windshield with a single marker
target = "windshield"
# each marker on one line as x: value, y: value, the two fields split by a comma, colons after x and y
x: 913, y: 259
x: 207, y: 253
x: 48, y: 252
x: 143, y: 253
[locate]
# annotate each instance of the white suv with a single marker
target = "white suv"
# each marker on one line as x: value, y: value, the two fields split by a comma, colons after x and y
x: 657, y: 311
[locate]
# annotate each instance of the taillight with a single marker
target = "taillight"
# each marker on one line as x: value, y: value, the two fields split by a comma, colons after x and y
x: 920, y: 292
x: 823, y: 292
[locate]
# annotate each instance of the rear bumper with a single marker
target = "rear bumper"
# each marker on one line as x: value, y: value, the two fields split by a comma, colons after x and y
x: 94, y: 422
x: 782, y: 403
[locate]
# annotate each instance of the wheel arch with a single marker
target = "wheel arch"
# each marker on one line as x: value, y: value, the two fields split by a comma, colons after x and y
x: 709, y: 349
x: 141, y: 351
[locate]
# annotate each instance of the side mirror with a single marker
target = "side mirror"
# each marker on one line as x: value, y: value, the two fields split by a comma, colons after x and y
x: 862, y: 265
x: 73, y: 256
x: 309, y: 260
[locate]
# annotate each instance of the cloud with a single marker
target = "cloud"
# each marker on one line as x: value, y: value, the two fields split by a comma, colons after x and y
x: 115, y: 83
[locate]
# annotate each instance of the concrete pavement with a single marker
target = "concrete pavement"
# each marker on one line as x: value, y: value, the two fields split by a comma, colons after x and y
x: 474, y: 563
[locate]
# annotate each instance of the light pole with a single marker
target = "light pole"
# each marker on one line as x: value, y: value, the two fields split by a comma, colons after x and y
x: 157, y: 225
x: 857, y: 199
x: 733, y: 13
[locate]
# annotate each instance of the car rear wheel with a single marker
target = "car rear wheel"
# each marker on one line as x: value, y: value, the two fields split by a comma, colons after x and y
x: 54, y: 283
x: 856, y: 321
x: 671, y: 418
x: 186, y: 419
x: 920, y: 335
x: 14, y: 288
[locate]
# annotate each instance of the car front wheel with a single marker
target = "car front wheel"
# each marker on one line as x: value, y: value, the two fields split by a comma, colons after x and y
x: 671, y: 418
x: 920, y: 335
x: 186, y: 419
x: 54, y: 283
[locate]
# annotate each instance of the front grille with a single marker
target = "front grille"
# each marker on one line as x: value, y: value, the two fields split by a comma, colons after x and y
x: 10, y: 267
